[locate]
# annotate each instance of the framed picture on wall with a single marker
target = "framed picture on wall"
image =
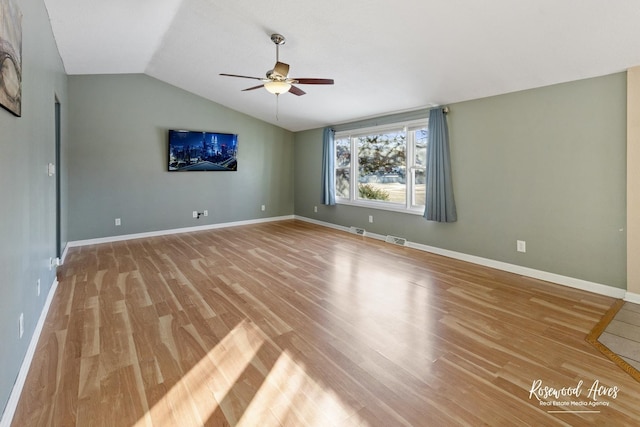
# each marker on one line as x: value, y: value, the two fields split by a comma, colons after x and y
x: 11, y: 57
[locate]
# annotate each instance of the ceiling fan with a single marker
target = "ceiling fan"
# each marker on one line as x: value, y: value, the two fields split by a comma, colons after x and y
x: 278, y: 80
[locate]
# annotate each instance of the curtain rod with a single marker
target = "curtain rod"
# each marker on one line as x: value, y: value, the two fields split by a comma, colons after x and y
x: 391, y: 118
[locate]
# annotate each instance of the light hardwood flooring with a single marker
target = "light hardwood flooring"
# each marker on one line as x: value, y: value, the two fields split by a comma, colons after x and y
x: 292, y: 324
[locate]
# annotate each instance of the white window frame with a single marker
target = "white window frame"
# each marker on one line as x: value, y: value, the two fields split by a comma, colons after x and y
x: 408, y: 127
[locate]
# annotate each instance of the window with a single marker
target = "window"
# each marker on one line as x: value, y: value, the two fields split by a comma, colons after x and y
x: 383, y: 167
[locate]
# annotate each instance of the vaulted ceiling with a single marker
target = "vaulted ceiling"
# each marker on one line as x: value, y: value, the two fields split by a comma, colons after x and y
x: 385, y: 56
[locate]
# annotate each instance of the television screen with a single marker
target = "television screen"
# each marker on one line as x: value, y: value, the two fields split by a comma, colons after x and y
x: 202, y: 151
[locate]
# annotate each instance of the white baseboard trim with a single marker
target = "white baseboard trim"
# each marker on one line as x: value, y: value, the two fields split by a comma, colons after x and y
x: 632, y: 297
x: 14, y: 397
x: 173, y: 231
x: 572, y: 282
x: 64, y: 253
x: 323, y: 224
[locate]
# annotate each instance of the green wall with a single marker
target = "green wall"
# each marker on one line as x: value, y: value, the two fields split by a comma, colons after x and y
x: 547, y: 166
x: 118, y: 160
x: 28, y: 194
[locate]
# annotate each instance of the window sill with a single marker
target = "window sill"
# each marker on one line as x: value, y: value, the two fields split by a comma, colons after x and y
x: 381, y: 206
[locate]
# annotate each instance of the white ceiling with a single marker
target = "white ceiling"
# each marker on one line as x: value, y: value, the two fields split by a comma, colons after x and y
x: 385, y: 56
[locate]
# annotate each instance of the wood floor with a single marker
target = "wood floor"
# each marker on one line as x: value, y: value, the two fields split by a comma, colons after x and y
x: 292, y: 324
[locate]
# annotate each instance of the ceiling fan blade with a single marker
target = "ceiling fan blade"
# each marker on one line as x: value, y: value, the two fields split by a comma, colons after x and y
x: 252, y: 88
x: 243, y: 77
x: 281, y: 69
x: 296, y: 91
x: 314, y: 81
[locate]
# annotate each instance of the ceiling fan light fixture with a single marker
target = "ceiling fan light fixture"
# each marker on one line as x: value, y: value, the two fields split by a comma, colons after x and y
x: 277, y: 87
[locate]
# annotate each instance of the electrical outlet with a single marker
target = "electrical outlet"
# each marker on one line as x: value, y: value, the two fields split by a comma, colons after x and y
x: 315, y: 209
x: 263, y: 208
x: 370, y: 218
x: 521, y: 246
x: 38, y: 287
x: 118, y: 222
x: 205, y: 212
x: 195, y: 214
x: 21, y: 324
x: 50, y: 263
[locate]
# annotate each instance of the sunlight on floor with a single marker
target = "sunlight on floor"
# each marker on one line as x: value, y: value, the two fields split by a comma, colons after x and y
x: 294, y: 398
x: 207, y: 383
x: 285, y: 394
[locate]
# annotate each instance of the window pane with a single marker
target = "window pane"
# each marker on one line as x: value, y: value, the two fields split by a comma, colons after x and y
x: 382, y: 167
x: 343, y: 163
x: 421, y: 136
x: 419, y: 177
x: 419, y: 187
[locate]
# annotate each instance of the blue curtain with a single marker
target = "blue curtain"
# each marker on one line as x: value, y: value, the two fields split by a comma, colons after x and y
x: 328, y: 167
x: 440, y: 205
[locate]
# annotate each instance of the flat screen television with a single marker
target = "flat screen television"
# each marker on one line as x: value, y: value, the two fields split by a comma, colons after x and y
x: 202, y: 151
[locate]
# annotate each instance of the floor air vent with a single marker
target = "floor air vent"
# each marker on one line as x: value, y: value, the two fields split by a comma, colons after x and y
x: 358, y: 231
x: 396, y: 240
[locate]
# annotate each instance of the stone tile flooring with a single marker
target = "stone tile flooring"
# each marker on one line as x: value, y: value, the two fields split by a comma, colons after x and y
x: 622, y: 335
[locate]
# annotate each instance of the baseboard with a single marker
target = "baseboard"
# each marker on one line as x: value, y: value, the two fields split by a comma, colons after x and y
x: 572, y: 282
x: 173, y: 231
x: 14, y: 397
x: 322, y: 223
x: 64, y: 253
x: 632, y: 297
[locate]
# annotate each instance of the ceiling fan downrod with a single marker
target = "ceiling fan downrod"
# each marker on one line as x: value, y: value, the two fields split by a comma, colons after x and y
x: 279, y: 40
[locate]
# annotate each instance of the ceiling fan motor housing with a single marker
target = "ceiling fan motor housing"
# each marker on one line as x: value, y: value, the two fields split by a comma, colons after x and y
x: 280, y: 72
